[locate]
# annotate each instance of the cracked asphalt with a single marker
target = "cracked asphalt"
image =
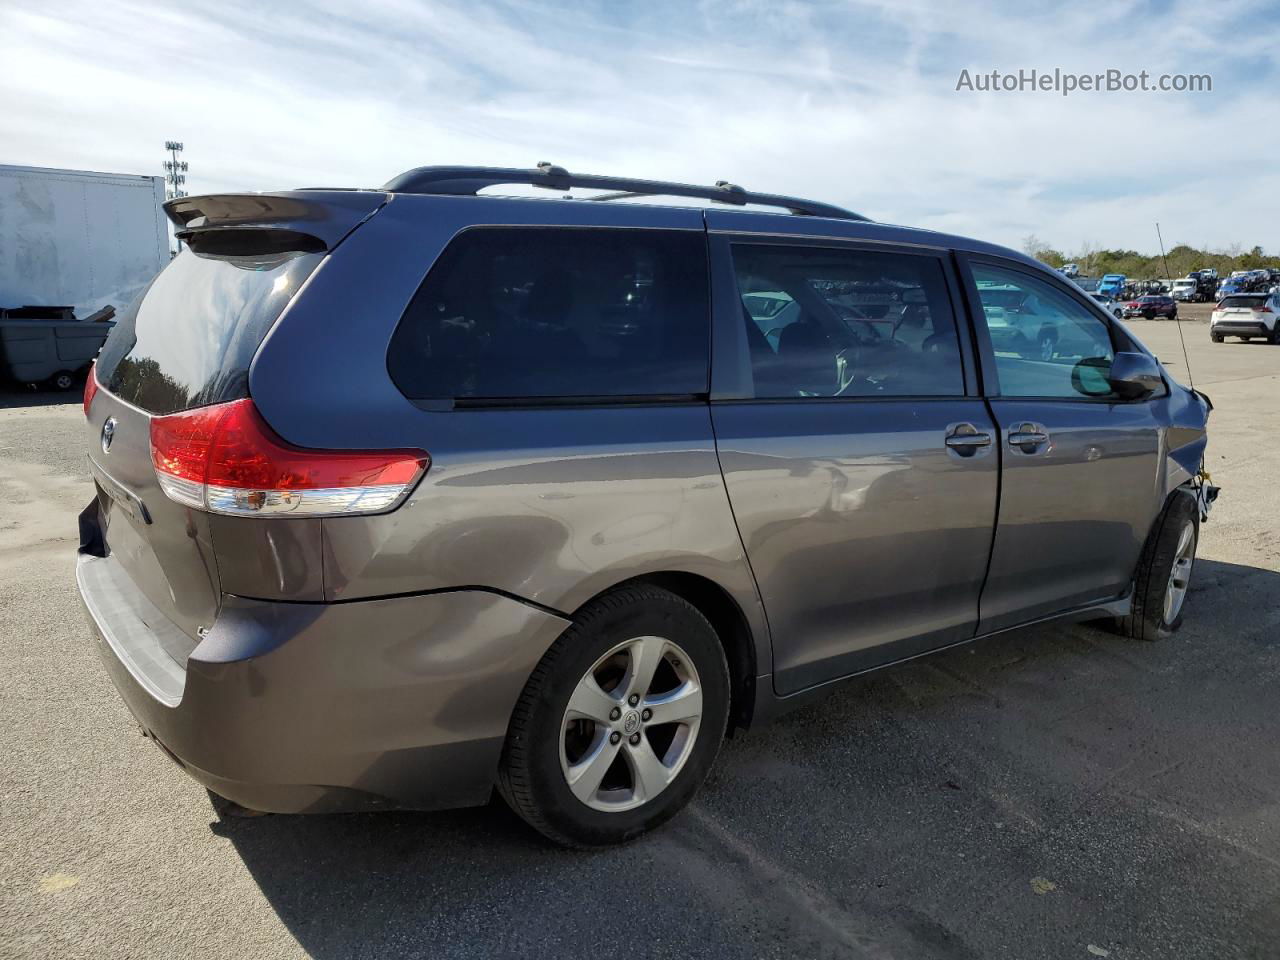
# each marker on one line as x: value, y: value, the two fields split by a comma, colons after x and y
x: 1052, y: 792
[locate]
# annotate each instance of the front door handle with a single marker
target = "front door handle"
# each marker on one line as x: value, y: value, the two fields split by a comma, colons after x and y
x: 1026, y: 437
x: 966, y: 439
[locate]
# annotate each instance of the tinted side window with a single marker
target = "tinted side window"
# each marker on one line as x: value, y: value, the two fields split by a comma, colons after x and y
x: 1046, y: 344
x: 536, y: 312
x: 826, y: 322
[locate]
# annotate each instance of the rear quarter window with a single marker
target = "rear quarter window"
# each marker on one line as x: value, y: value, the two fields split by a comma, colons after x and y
x: 509, y: 313
x: 187, y: 341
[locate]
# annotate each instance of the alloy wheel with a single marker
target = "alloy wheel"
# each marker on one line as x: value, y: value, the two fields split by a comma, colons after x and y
x: 1180, y: 575
x: 631, y: 724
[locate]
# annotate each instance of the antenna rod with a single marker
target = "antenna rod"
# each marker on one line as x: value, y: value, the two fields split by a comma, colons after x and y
x: 1178, y: 320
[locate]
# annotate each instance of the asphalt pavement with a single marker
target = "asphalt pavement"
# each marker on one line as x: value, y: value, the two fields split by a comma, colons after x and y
x: 1052, y: 792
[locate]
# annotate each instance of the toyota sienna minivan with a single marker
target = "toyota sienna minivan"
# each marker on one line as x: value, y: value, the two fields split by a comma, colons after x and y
x: 406, y: 494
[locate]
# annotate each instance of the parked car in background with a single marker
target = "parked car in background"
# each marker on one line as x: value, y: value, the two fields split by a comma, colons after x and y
x: 553, y: 518
x: 1249, y: 316
x: 1152, y: 307
x: 1109, y: 304
x: 1070, y: 270
x: 1232, y: 285
x: 1112, y: 284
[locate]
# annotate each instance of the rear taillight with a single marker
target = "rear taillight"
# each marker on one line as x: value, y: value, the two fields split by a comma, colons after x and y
x: 226, y: 459
x: 1263, y: 308
x: 90, y: 386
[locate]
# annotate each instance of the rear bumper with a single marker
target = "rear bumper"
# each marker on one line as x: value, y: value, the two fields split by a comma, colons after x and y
x: 1241, y: 328
x: 310, y: 708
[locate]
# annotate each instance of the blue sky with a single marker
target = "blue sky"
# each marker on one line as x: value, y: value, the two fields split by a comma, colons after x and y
x: 851, y: 102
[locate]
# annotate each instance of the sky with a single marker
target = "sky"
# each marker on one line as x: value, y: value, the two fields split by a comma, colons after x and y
x: 853, y: 103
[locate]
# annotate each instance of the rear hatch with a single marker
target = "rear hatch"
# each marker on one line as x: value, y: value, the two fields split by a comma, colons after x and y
x: 187, y: 342
x: 1241, y: 307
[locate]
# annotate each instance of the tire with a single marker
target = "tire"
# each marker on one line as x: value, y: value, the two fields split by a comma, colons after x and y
x: 63, y: 380
x: 1215, y: 337
x: 1275, y: 335
x: 1048, y: 344
x: 545, y: 743
x: 1152, y: 617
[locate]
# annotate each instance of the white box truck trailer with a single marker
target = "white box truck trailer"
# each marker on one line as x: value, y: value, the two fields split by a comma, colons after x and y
x: 79, y: 239
x: 72, y: 242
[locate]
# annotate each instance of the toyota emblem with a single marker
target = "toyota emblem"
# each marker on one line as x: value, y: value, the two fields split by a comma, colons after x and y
x: 108, y: 434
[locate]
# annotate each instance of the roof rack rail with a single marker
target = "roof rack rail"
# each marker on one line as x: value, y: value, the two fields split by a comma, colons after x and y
x: 468, y: 181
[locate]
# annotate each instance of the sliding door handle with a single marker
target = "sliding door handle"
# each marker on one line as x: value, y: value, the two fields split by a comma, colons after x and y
x: 966, y: 439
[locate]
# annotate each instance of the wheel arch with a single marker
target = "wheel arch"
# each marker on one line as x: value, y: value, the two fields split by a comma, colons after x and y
x: 728, y: 620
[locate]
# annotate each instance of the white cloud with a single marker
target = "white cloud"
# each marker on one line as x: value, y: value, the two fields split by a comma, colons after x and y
x: 850, y: 103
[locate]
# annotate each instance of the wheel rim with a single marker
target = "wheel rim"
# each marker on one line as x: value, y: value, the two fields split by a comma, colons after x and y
x: 631, y: 724
x: 1046, y: 348
x: 63, y: 381
x: 1176, y: 592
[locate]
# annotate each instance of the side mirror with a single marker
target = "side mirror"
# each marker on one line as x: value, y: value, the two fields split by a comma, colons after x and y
x: 1135, y: 376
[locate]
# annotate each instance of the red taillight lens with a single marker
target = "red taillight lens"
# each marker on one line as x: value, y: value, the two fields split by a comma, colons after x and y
x: 1262, y: 309
x: 226, y: 459
x: 90, y: 386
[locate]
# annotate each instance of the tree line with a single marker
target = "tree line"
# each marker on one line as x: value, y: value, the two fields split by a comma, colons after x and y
x: 1182, y: 258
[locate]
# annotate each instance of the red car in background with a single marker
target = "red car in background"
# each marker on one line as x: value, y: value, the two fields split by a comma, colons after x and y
x: 1152, y: 307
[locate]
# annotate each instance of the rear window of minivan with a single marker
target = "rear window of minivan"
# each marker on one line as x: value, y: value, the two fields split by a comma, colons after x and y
x: 188, y: 339
x: 536, y: 312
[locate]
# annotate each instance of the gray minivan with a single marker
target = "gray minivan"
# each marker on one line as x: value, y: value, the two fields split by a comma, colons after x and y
x: 405, y: 494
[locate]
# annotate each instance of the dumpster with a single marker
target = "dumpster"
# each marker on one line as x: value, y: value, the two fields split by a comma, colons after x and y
x: 48, y: 345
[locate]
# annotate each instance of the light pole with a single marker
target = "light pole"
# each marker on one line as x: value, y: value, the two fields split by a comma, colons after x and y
x: 175, y: 173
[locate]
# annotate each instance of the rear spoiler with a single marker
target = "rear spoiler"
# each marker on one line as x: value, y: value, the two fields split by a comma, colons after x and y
x: 315, y: 220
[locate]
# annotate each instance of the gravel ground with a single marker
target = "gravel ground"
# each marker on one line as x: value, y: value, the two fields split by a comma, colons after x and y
x: 1052, y: 792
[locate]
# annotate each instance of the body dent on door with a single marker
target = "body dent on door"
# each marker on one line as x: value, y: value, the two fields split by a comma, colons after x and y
x: 868, y: 538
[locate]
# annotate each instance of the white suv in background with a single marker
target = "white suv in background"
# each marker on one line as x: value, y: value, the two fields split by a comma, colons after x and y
x: 1109, y: 304
x: 1246, y: 315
